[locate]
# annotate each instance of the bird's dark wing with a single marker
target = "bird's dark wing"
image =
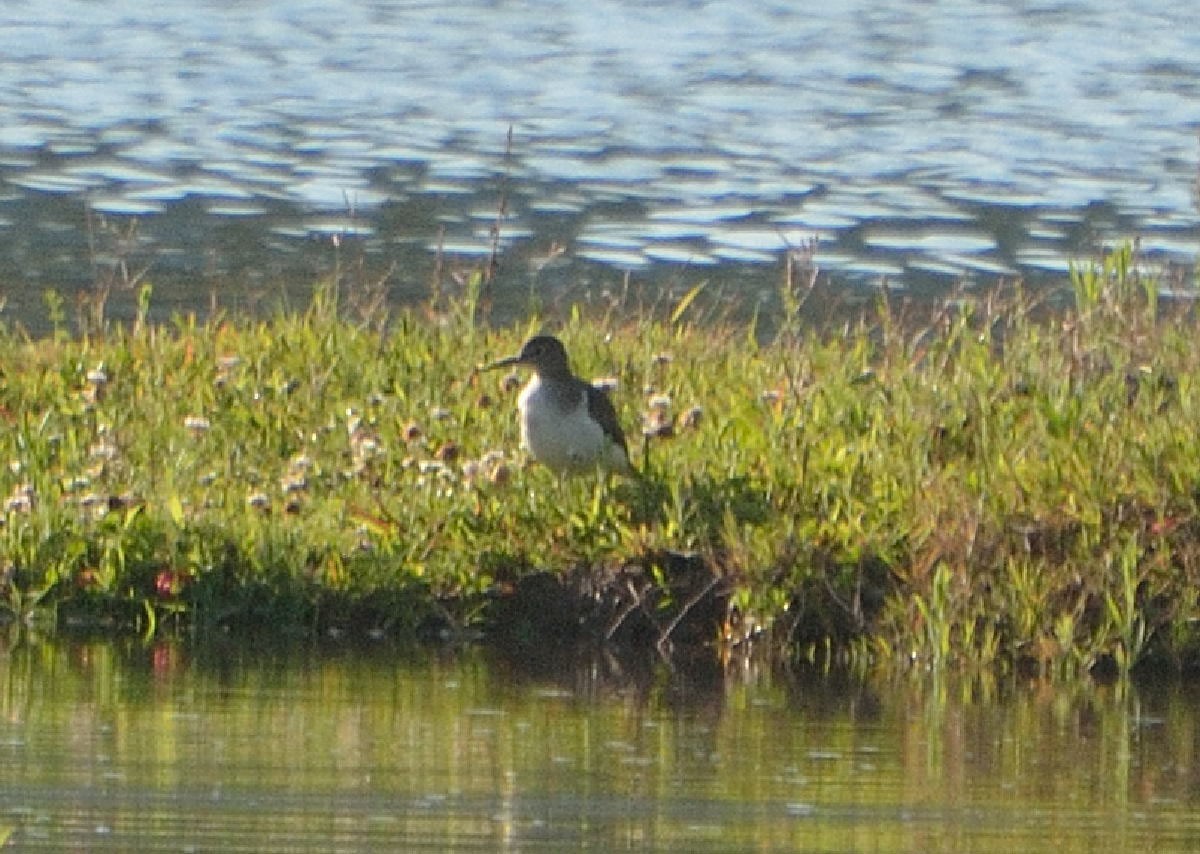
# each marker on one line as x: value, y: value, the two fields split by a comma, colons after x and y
x: 601, y: 409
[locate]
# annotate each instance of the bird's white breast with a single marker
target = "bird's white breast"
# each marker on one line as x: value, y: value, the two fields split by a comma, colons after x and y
x: 563, y: 439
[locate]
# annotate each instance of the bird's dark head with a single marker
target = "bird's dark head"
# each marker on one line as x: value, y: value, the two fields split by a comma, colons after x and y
x: 543, y: 353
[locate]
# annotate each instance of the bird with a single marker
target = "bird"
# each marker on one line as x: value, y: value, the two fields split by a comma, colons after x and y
x: 567, y: 424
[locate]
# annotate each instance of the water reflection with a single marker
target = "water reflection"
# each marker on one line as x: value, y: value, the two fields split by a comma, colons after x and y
x: 230, y: 746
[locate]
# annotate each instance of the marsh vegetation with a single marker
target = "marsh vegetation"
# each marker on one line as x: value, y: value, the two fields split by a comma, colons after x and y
x: 997, y: 480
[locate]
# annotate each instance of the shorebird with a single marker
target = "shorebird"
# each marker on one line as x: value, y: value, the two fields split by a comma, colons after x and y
x: 567, y: 424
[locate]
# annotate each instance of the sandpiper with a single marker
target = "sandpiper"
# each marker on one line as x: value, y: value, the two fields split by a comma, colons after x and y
x: 567, y: 424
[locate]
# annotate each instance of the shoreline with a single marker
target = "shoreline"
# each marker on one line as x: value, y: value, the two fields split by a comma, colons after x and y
x: 983, y: 482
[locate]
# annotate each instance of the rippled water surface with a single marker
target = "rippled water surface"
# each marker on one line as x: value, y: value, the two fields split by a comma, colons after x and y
x: 928, y: 143
x: 237, y: 747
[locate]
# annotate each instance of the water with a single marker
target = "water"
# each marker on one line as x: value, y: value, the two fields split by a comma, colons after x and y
x: 928, y: 144
x: 236, y: 747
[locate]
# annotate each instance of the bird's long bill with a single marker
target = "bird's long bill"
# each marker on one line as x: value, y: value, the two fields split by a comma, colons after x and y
x: 506, y: 362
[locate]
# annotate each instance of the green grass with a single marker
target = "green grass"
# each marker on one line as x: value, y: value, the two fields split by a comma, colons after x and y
x: 985, y: 482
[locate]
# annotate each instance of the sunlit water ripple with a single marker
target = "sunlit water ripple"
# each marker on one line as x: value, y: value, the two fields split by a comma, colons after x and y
x: 930, y: 144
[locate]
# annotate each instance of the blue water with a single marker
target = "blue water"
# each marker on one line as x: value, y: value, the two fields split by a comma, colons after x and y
x: 929, y: 144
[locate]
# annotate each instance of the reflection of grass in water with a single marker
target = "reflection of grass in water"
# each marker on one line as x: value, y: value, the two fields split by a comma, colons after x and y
x: 981, y: 486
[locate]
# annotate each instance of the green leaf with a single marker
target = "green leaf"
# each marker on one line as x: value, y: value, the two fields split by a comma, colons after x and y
x: 688, y: 298
x: 175, y: 508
